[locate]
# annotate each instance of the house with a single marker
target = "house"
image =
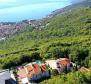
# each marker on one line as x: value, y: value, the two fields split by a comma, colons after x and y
x: 64, y: 64
x: 5, y: 77
x: 60, y: 64
x: 37, y: 72
x: 45, y: 72
x: 32, y: 72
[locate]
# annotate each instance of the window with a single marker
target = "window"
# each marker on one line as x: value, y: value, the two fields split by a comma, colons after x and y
x: 7, y: 81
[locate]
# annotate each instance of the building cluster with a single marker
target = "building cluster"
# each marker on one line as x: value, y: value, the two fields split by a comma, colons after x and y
x: 8, y: 28
x: 36, y: 71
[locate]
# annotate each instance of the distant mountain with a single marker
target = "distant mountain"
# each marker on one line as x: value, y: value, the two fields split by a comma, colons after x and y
x: 76, y: 3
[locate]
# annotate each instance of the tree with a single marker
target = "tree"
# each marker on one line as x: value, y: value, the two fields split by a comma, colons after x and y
x: 81, y: 56
x: 55, y: 72
x: 35, y: 56
x: 25, y: 58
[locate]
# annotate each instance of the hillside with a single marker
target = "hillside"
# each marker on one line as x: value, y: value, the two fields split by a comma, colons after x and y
x: 76, y: 4
x: 70, y: 78
x: 67, y: 35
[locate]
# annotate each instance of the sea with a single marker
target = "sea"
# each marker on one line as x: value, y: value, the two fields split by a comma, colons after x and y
x: 29, y: 9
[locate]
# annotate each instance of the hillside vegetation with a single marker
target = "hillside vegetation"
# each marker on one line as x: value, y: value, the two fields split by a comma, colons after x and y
x: 71, y: 78
x: 65, y: 35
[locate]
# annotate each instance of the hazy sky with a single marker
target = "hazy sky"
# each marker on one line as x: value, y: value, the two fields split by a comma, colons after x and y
x: 14, y: 3
x: 15, y: 10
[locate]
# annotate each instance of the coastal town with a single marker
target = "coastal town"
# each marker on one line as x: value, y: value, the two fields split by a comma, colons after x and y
x: 9, y: 28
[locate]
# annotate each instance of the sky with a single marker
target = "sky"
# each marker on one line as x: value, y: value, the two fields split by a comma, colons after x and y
x: 16, y: 10
x: 14, y: 3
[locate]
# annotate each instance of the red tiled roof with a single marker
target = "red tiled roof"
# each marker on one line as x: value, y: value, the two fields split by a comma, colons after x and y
x: 33, y: 69
x: 30, y: 70
x: 43, y: 68
x: 36, y: 68
x: 64, y: 61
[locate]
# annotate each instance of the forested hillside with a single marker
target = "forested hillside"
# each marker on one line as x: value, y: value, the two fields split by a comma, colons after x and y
x: 70, y: 78
x: 65, y: 35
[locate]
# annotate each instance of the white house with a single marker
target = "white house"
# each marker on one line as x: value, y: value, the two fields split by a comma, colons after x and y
x: 5, y: 77
x: 60, y: 64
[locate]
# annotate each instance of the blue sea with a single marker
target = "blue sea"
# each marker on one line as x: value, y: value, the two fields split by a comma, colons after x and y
x: 29, y: 9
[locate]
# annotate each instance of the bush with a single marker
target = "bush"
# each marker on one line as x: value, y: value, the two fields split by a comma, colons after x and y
x: 55, y: 72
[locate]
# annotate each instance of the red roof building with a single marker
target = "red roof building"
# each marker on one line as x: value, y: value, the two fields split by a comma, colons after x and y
x: 64, y: 64
x: 36, y: 68
x: 64, y: 61
x: 32, y: 72
x: 43, y: 67
x: 29, y: 70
